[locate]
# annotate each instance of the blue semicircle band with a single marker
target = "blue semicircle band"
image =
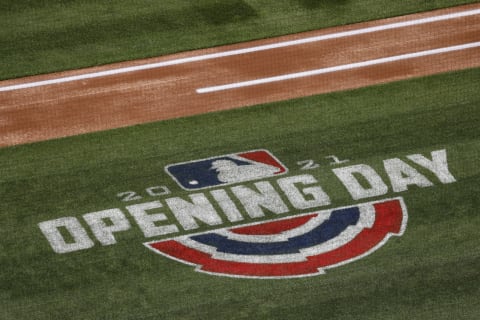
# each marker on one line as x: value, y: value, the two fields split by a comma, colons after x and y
x: 339, y: 221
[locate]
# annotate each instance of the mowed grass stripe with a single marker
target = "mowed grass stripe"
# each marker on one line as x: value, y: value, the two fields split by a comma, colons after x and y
x: 41, y: 37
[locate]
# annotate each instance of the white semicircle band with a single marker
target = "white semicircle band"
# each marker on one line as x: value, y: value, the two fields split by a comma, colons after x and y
x: 342, y: 239
x: 282, y: 236
x: 367, y: 218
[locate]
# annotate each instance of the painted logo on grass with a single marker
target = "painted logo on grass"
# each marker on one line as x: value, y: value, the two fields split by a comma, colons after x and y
x: 295, y: 235
x: 226, y: 169
x: 291, y: 247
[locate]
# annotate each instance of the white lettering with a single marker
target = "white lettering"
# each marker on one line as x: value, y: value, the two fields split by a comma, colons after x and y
x: 402, y: 175
x: 146, y: 221
x: 104, y: 232
x: 227, y: 205
x: 200, y: 209
x: 297, y: 198
x: 81, y: 240
x: 254, y: 201
x: 438, y: 165
x: 376, y: 185
x: 158, y: 191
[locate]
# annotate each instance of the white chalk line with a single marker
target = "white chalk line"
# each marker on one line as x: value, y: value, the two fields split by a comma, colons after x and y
x: 243, y: 51
x: 338, y: 68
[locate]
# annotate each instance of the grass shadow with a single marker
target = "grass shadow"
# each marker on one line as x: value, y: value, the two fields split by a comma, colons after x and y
x: 223, y: 12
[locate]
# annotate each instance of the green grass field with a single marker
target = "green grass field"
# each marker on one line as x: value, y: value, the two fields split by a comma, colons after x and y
x: 431, y: 272
x: 40, y: 36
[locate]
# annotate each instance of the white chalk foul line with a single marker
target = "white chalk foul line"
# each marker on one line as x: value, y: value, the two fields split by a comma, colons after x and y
x: 338, y: 68
x: 243, y: 51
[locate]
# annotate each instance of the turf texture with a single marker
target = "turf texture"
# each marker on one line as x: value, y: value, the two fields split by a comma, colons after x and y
x: 431, y: 272
x: 40, y: 36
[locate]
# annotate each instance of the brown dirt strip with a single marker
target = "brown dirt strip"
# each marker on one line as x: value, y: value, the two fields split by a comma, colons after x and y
x: 65, y: 109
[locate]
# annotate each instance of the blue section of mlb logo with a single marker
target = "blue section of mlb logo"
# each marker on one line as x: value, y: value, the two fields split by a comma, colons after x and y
x: 225, y: 169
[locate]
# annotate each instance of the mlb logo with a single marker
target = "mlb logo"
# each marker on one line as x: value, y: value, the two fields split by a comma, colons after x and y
x: 225, y: 169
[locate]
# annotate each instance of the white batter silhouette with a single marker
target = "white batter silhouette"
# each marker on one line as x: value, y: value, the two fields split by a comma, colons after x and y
x: 230, y: 172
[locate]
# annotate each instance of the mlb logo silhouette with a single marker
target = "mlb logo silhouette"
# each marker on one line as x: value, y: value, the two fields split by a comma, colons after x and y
x: 225, y: 169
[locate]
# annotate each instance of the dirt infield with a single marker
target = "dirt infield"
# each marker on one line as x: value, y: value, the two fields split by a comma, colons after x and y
x: 69, y: 103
